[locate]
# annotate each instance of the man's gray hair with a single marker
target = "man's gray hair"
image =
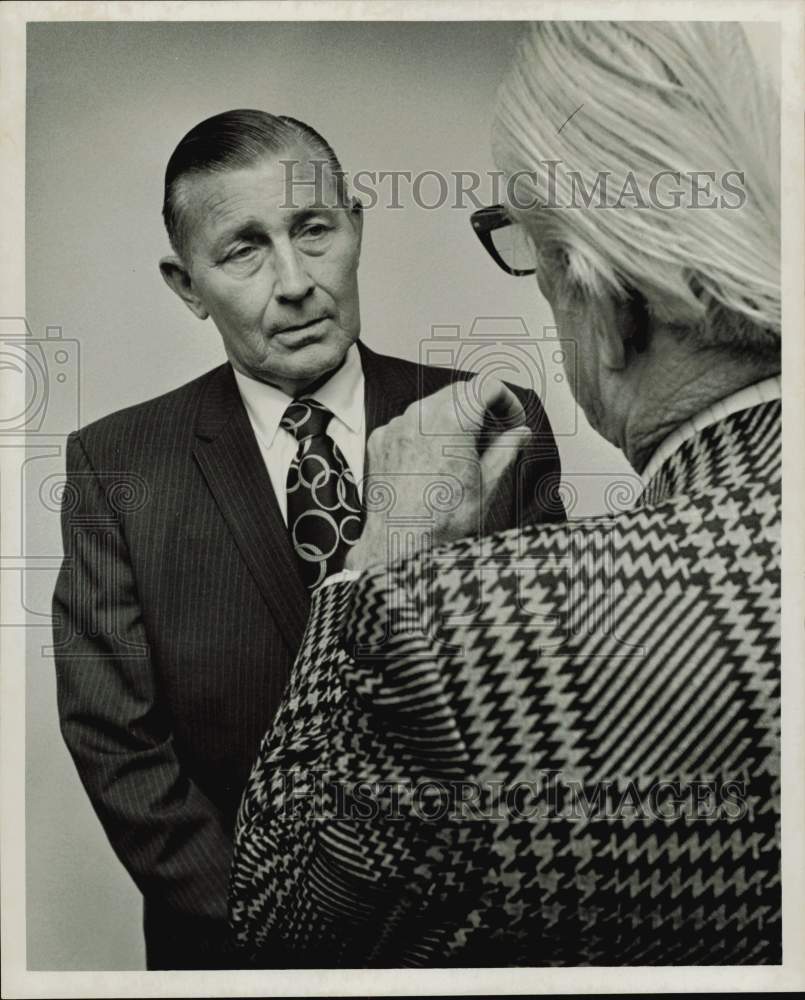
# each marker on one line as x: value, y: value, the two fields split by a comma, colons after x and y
x: 643, y: 99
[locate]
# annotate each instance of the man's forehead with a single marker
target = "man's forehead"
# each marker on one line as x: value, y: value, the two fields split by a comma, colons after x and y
x: 288, y: 180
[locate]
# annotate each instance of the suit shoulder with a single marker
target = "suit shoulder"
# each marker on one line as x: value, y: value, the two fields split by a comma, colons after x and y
x: 169, y: 415
x: 428, y: 378
x: 433, y: 377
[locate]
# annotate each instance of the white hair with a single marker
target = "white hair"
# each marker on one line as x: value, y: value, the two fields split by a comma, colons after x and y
x: 640, y: 98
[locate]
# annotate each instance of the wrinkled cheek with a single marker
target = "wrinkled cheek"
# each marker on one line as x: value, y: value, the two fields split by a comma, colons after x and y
x: 342, y: 292
x: 353, y: 303
x: 243, y: 334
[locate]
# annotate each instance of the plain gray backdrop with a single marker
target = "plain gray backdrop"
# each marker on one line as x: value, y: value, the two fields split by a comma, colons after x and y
x: 107, y: 103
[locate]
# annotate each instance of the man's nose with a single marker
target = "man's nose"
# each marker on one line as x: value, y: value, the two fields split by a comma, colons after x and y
x: 293, y: 281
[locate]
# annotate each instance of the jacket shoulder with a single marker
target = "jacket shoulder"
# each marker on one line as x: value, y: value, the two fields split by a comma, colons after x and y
x: 410, y: 381
x: 167, y: 417
x: 417, y: 378
x: 430, y: 377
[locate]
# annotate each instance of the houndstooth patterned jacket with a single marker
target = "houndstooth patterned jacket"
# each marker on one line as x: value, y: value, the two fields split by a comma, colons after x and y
x: 558, y: 746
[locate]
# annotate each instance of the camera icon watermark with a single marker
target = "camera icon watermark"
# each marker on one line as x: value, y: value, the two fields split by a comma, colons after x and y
x: 40, y: 400
x: 40, y: 380
x: 503, y: 347
x: 413, y: 505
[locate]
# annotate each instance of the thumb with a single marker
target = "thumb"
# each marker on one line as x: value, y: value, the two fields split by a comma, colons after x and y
x: 499, y: 456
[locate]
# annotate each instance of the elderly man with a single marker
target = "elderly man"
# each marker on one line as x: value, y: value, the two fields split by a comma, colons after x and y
x: 197, y: 525
x: 560, y: 746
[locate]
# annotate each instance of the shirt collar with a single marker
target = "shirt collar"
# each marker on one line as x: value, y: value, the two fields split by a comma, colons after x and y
x: 744, y: 399
x: 342, y: 394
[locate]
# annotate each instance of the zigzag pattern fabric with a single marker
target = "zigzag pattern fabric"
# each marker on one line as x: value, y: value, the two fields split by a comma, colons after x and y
x: 551, y: 747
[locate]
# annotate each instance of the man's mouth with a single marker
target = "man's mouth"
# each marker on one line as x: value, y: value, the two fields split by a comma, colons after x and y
x: 297, y: 327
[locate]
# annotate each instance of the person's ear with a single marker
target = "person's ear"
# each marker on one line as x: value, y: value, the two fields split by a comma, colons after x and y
x: 624, y: 330
x: 177, y: 277
x: 636, y: 322
x: 356, y: 217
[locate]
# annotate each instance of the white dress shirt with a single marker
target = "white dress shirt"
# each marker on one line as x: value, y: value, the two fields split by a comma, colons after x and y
x: 743, y: 399
x: 343, y: 395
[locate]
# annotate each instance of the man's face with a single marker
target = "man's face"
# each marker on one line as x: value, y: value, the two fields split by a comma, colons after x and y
x: 281, y: 284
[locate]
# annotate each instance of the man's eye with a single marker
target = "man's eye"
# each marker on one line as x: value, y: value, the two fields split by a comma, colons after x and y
x: 315, y: 231
x: 241, y: 253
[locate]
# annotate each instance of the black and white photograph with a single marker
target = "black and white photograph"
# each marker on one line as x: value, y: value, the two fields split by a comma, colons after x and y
x: 400, y: 407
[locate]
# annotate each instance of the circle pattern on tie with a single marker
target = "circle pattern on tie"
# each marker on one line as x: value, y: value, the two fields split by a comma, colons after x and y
x: 324, y: 510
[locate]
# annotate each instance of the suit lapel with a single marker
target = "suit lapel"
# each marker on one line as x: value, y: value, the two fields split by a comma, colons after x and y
x: 388, y: 388
x: 230, y: 460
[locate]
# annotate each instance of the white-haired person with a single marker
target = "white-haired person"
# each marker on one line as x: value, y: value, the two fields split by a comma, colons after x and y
x: 560, y: 745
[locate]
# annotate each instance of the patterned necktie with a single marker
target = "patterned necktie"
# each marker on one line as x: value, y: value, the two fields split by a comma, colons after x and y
x: 324, y: 511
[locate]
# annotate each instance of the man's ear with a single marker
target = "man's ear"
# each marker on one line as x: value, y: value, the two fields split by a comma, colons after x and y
x: 356, y: 217
x: 623, y: 328
x: 177, y: 277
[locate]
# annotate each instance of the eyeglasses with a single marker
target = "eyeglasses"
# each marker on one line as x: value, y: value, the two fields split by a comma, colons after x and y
x: 507, y: 242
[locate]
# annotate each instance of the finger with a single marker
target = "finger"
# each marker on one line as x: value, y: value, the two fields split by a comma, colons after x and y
x: 375, y: 450
x: 499, y: 456
x: 375, y: 439
x: 499, y: 400
x: 484, y: 402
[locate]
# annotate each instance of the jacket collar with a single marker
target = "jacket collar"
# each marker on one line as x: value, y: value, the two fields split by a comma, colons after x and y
x: 743, y: 447
x: 389, y: 387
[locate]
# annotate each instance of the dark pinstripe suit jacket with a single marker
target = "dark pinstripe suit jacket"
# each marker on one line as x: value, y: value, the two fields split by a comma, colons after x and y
x: 178, y: 612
